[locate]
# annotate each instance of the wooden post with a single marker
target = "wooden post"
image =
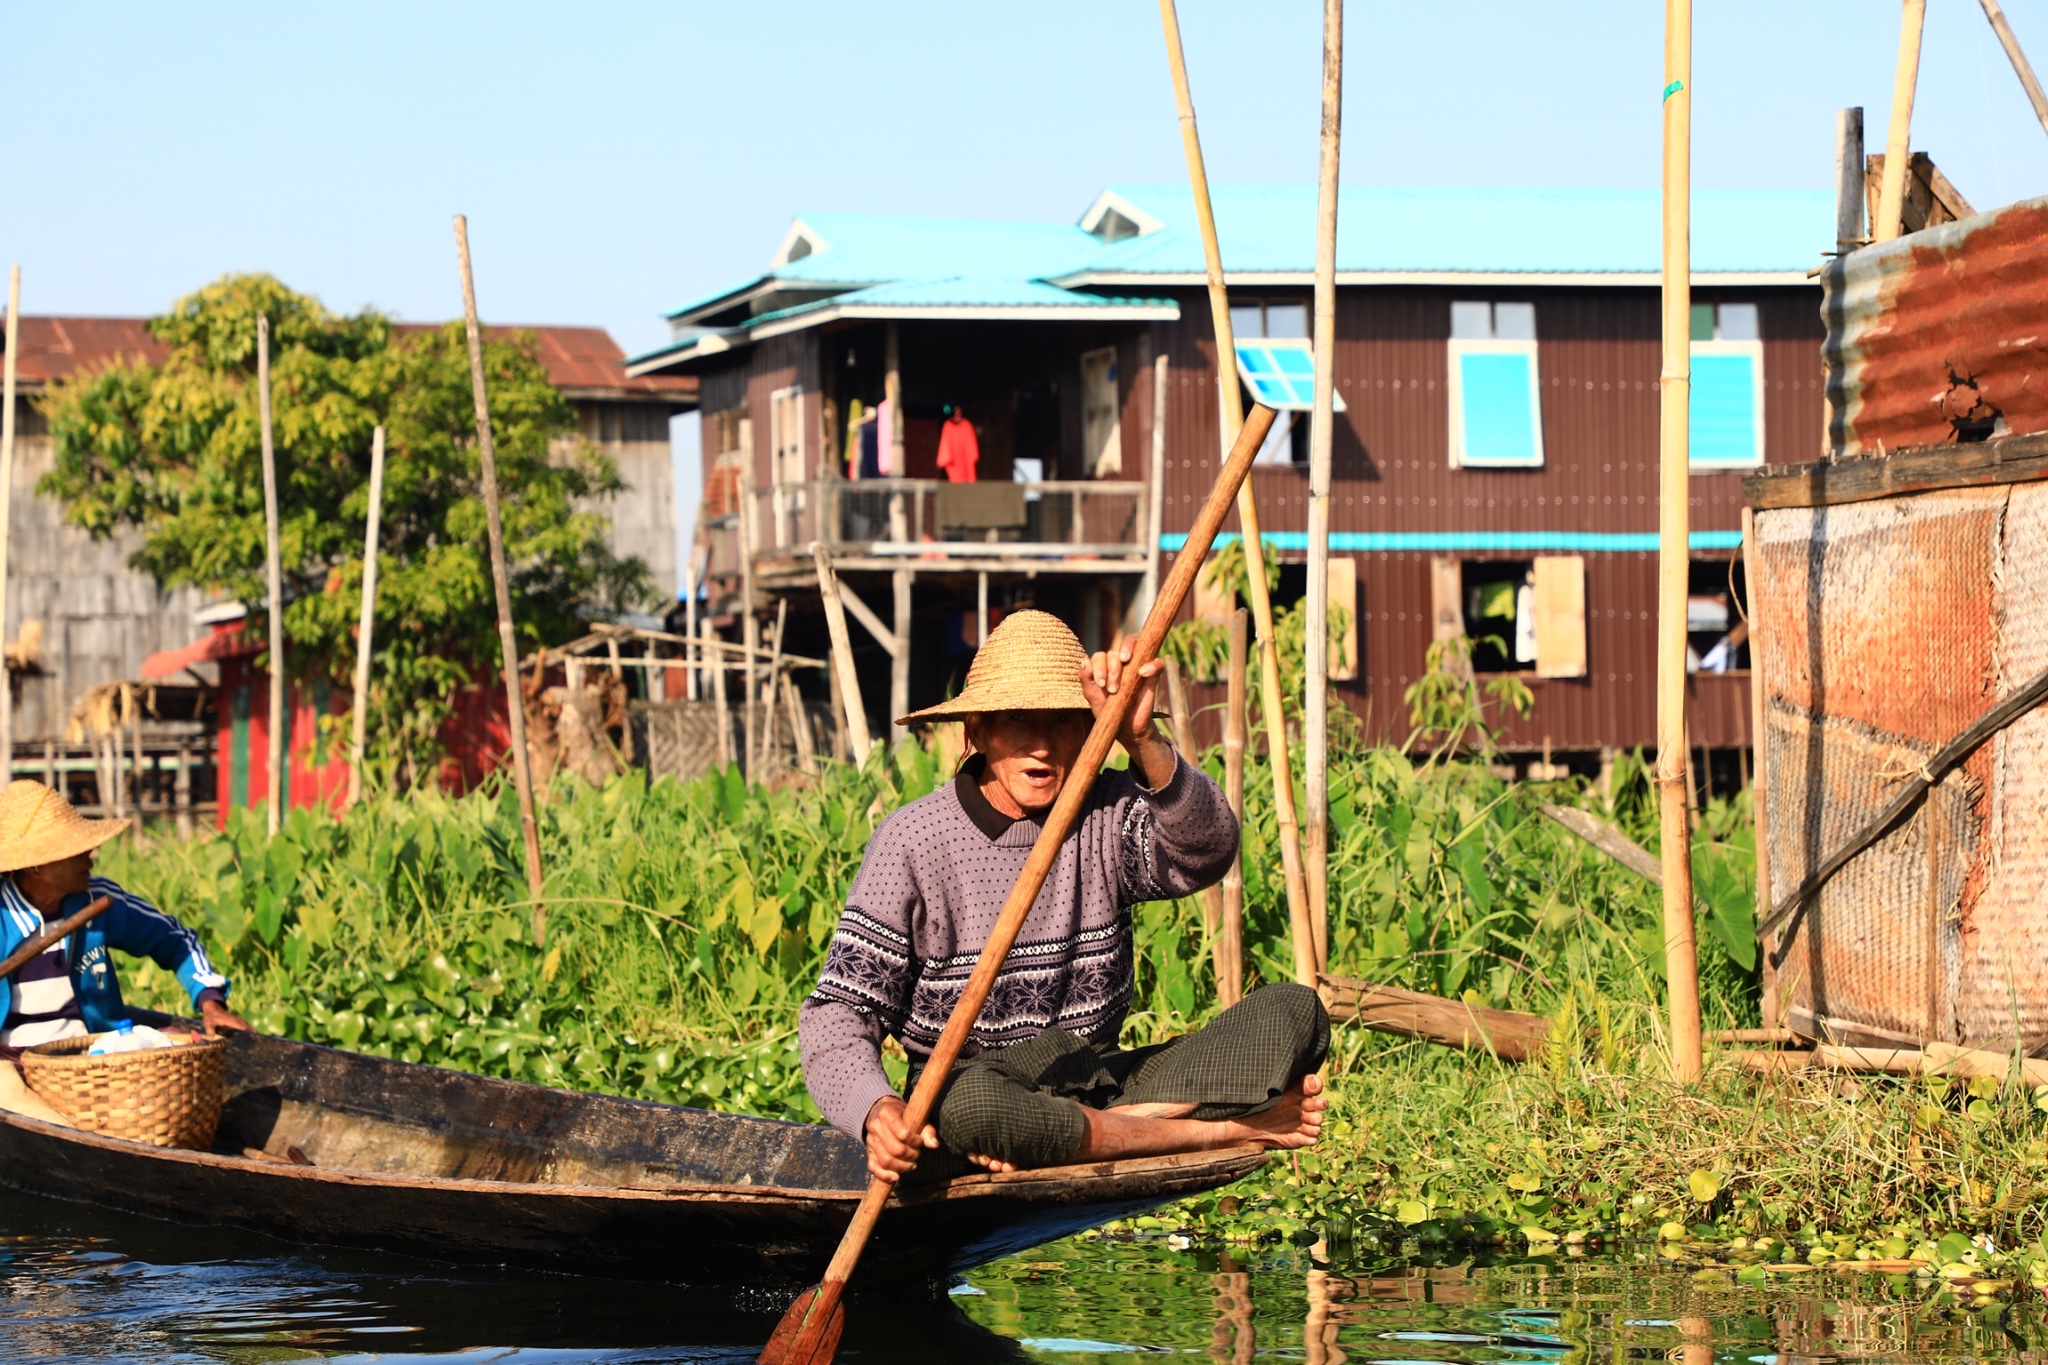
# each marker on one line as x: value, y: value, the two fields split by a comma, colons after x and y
x: 1315, y: 753
x: 181, y: 790
x: 1182, y: 719
x: 7, y: 516
x: 1235, y: 740
x: 800, y: 727
x: 359, y: 715
x: 768, y: 755
x: 1759, y: 712
x: 1849, y: 191
x: 1231, y: 408
x: 508, y: 644
x: 1891, y: 194
x: 854, y: 711
x: 1155, y: 488
x: 273, y: 573
x: 1681, y: 965
x: 140, y: 761
x: 714, y: 659
x: 899, y: 658
x: 981, y: 609
x: 2020, y: 67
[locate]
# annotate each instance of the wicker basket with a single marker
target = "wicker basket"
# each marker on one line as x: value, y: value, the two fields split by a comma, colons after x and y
x: 167, y: 1096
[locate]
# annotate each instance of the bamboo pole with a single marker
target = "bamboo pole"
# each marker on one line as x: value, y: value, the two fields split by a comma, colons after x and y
x: 1891, y: 193
x: 1681, y: 965
x: 1155, y: 484
x: 1758, y: 796
x: 2020, y: 66
x: 508, y: 644
x: 7, y: 516
x: 1235, y: 742
x: 1231, y: 410
x: 856, y: 716
x: 1315, y: 753
x: 359, y: 711
x: 273, y: 574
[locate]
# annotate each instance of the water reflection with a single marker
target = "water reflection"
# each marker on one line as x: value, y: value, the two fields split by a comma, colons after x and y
x: 82, y: 1285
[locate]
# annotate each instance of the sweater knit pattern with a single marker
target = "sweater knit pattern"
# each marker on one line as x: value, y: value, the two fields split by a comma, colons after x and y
x: 929, y: 891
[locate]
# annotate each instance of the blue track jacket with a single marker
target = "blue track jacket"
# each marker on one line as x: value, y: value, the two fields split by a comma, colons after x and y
x: 131, y: 924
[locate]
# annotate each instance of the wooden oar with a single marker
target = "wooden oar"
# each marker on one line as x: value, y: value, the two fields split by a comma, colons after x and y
x: 37, y: 945
x: 809, y: 1332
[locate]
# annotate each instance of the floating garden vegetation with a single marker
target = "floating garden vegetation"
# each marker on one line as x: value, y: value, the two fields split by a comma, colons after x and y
x: 688, y: 921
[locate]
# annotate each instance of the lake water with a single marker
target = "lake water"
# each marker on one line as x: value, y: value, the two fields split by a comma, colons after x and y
x: 82, y: 1285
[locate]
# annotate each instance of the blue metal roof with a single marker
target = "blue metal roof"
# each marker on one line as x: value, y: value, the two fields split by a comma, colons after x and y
x: 902, y: 261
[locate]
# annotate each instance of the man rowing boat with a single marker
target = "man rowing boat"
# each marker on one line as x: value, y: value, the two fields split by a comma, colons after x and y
x: 70, y: 989
x: 1042, y: 1081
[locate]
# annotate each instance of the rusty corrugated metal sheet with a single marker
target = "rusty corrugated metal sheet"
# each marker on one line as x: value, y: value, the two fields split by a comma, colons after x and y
x: 1888, y: 627
x: 1939, y: 336
x: 57, y: 348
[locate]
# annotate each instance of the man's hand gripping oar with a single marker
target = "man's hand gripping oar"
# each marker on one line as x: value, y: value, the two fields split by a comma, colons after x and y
x: 809, y: 1332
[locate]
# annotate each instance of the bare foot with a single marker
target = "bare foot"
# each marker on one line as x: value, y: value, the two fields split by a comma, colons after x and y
x: 1296, y: 1120
x: 994, y: 1165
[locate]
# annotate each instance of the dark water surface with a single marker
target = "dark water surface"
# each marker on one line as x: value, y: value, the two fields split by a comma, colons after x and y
x: 81, y: 1285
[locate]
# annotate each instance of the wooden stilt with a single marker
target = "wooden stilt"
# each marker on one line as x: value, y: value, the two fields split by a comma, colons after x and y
x: 852, y: 710
x: 720, y: 707
x: 1681, y: 964
x: 273, y: 576
x: 800, y: 728
x: 1231, y: 408
x: 1316, y: 700
x: 359, y: 711
x: 508, y: 642
x: 770, y: 759
x: 1891, y: 194
x: 899, y: 660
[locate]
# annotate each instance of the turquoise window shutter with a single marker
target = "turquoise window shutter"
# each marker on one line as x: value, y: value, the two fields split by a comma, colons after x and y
x: 1498, y: 408
x: 1724, y: 415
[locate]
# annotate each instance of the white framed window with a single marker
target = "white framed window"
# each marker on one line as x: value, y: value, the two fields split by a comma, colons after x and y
x: 1496, y: 395
x: 1727, y: 404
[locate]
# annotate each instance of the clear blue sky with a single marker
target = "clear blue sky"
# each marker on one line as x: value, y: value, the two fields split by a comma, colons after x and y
x: 617, y: 160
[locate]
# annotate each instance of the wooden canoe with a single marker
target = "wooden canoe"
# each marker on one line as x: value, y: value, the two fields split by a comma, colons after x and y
x: 461, y: 1168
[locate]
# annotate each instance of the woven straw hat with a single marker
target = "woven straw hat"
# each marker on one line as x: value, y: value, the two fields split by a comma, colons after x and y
x: 39, y: 826
x: 1031, y: 661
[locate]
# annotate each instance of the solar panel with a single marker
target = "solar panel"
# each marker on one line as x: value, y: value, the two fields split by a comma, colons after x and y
x: 1281, y: 373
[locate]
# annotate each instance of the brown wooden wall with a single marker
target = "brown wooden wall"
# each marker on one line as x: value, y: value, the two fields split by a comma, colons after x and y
x: 1598, y: 361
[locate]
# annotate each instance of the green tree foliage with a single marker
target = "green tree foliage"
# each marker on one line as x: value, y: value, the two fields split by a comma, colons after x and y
x: 173, y: 450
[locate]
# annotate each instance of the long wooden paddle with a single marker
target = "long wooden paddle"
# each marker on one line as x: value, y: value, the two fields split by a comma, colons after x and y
x: 809, y: 1332
x: 37, y: 944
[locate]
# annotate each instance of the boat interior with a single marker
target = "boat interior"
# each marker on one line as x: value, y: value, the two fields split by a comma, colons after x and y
x: 305, y: 1105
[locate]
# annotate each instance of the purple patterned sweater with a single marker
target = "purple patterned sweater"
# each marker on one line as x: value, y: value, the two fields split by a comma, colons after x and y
x: 930, y: 888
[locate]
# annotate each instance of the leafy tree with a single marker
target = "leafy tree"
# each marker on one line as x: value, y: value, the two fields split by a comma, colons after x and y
x: 174, y: 451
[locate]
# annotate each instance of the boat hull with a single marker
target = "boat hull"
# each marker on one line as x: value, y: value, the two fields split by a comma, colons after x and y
x: 412, y: 1159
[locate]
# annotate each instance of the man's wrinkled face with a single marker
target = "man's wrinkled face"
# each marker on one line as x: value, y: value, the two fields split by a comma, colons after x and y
x: 1028, y: 756
x: 49, y: 883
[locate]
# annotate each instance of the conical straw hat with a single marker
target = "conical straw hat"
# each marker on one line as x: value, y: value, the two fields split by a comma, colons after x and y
x: 39, y: 826
x: 1031, y: 661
